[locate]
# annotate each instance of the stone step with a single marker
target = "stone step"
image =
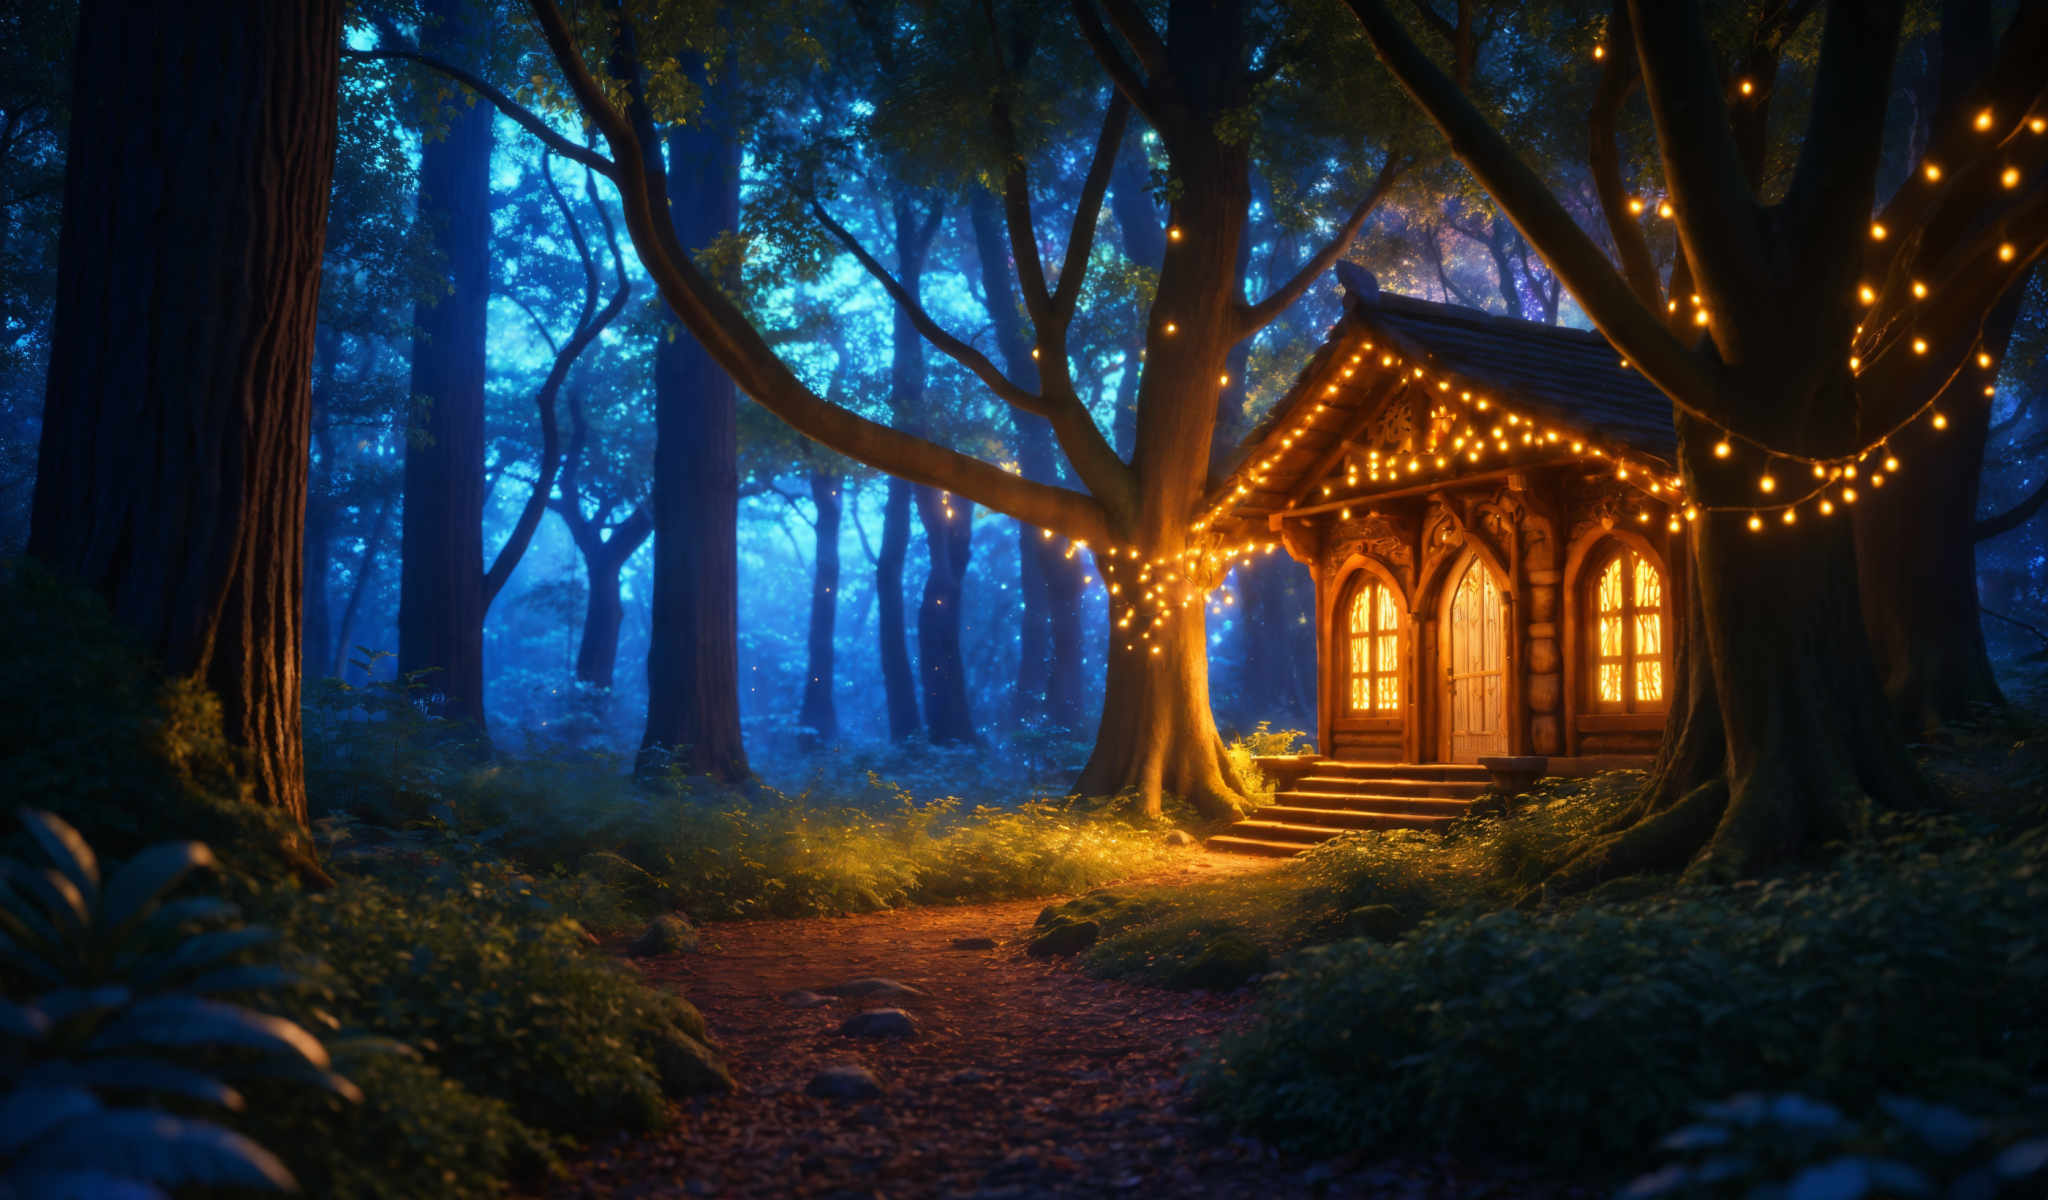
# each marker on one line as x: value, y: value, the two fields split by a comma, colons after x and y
x: 1440, y: 772
x: 1291, y: 831
x: 1358, y: 784
x: 1224, y: 843
x: 1353, y: 818
x: 1445, y: 806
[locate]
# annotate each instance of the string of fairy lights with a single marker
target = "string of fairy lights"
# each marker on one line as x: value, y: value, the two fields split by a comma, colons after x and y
x: 1466, y: 426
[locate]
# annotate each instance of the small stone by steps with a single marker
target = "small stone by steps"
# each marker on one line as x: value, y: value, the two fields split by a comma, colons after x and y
x: 1334, y: 797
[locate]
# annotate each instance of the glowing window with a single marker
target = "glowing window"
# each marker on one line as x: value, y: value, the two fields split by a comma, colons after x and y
x: 1628, y: 642
x: 1373, y: 657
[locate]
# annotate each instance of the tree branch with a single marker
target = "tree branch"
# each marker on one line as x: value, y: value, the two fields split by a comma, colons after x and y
x: 1256, y: 317
x: 1088, y: 209
x: 959, y: 351
x: 737, y: 346
x: 2012, y: 518
x: 1603, y: 159
x: 1636, y: 332
x: 1127, y: 81
x: 524, y: 117
x: 1719, y: 222
x: 1137, y: 32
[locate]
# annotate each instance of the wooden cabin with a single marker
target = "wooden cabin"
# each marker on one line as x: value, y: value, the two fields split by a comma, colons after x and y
x: 1492, y: 514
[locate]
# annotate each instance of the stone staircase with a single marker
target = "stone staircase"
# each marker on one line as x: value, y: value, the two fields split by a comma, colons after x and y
x: 1332, y: 797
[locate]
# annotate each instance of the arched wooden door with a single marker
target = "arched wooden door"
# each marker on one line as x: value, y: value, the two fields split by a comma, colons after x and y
x: 1475, y: 678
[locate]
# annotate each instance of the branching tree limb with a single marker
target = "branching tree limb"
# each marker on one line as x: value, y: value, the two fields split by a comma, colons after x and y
x: 1252, y: 318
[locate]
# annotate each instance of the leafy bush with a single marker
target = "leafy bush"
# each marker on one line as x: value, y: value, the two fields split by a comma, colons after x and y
x: 1915, y: 964
x: 1262, y: 741
x: 127, y: 983
x: 502, y: 993
x: 102, y: 740
x: 1795, y: 1146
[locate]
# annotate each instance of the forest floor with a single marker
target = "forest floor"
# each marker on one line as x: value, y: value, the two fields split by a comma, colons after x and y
x: 1025, y: 1078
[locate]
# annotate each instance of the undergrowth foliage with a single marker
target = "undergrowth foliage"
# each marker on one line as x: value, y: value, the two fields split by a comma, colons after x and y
x: 129, y: 1026
x: 1914, y: 964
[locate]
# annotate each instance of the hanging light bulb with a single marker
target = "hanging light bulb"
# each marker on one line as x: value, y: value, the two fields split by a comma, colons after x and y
x: 1867, y: 294
x: 1755, y: 522
x: 1635, y: 205
x: 1932, y: 172
x: 2010, y: 177
x: 1848, y: 495
x: 2005, y: 252
x: 1983, y: 121
x: 1827, y: 507
x: 1767, y: 483
x: 1665, y: 210
x: 1876, y: 231
x: 1789, y: 517
x: 1173, y: 233
x: 1890, y: 464
x: 1919, y: 290
x: 1919, y: 345
x: 1940, y: 421
x: 1722, y: 449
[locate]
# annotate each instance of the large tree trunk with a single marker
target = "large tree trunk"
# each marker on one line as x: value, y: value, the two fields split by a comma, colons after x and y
x: 1158, y: 730
x: 819, y: 714
x: 1027, y: 695
x: 693, y: 709
x: 899, y: 684
x: 441, y: 582
x: 1781, y: 740
x: 172, y: 469
x: 1918, y: 556
x: 949, y: 538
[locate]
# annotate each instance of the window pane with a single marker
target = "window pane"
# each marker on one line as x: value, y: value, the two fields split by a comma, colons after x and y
x: 1610, y: 588
x: 1610, y: 683
x: 1649, y: 588
x: 1361, y: 612
x: 1649, y: 679
x: 1610, y: 637
x: 1389, y: 695
x: 1390, y: 618
x: 1649, y: 634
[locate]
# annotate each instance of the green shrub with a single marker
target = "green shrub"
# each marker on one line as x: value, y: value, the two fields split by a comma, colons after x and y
x: 1915, y: 964
x: 123, y: 990
x: 130, y: 759
x: 417, y: 1135
x: 503, y: 994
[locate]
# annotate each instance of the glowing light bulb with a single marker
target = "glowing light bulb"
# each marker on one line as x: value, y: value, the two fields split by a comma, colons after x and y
x: 2005, y: 252
x: 1819, y: 472
x: 1983, y: 359
x: 1789, y: 517
x: 1721, y: 448
x: 1919, y: 290
x: 1599, y: 52
x: 1940, y: 421
x: 1983, y: 121
x: 1635, y: 205
x: 1848, y: 495
x: 1665, y: 210
x: 1827, y: 508
x: 1919, y: 345
x: 1867, y: 294
x: 1876, y: 231
x: 1854, y: 362
x: 1173, y: 233
x: 1932, y: 172
x: 1172, y: 329
x: 1876, y: 480
x: 1034, y: 352
x: 2038, y: 124
x: 1672, y: 525
x: 1767, y: 483
x: 1748, y: 88
x: 2010, y: 177
x: 1755, y: 522
x: 1691, y: 513
x: 1891, y: 464
x: 1699, y: 317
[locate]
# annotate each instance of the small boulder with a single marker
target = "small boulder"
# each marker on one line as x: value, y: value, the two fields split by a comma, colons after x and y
x: 880, y: 1023
x: 688, y: 1067
x: 803, y: 999
x: 1380, y: 922
x: 668, y: 933
x: 844, y: 1081
x: 1063, y: 936
x: 871, y: 986
x: 1229, y: 960
x: 1179, y: 837
x: 981, y: 943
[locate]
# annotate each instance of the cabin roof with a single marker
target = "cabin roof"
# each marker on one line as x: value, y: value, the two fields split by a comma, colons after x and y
x: 1570, y: 380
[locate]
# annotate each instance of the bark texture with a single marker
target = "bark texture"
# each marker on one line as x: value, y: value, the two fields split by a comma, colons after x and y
x: 441, y: 573
x: 942, y: 671
x: 899, y: 683
x: 172, y: 469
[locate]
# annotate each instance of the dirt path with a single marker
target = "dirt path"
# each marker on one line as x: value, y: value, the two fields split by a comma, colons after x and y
x: 1026, y: 1078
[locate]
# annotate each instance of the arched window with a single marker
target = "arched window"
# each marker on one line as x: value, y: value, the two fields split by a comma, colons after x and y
x: 1629, y: 635
x: 1373, y: 656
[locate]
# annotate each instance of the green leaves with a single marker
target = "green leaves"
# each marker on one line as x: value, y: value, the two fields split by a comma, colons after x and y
x: 127, y: 1006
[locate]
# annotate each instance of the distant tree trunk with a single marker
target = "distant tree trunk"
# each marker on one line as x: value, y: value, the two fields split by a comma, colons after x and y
x: 819, y: 714
x: 172, y: 468
x: 317, y: 638
x: 373, y: 544
x: 441, y: 583
x: 1049, y: 668
x: 693, y: 708
x: 948, y: 535
x: 899, y: 684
